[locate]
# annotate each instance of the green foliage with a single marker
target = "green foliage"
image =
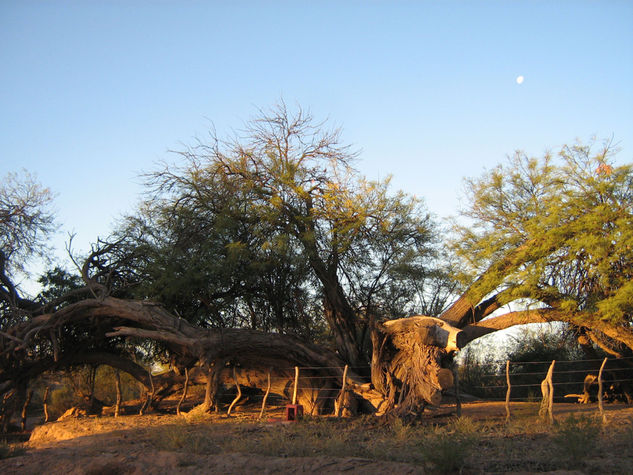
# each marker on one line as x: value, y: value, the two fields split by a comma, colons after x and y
x: 57, y: 283
x: 74, y: 386
x: 554, y: 233
x: 552, y: 342
x: 260, y: 230
x: 479, y: 370
x: 61, y: 399
x: 531, y: 351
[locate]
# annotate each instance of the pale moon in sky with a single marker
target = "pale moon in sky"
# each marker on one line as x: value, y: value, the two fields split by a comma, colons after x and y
x: 520, y: 80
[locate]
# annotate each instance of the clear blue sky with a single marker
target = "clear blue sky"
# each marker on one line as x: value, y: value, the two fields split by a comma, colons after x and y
x: 94, y: 92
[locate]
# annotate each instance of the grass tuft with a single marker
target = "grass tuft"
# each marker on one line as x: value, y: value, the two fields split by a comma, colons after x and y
x: 576, y: 437
x: 184, y: 438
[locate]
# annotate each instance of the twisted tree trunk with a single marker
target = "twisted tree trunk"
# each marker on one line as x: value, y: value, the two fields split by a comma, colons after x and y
x: 407, y: 365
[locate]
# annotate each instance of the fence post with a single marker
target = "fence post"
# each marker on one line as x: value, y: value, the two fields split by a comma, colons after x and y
x: 550, y: 383
x: 184, y: 391
x: 342, y: 394
x: 239, y: 392
x: 45, y: 402
x: 508, y: 391
x: 261, y: 413
x: 547, y: 388
x: 119, y: 395
x: 600, y: 407
x: 294, y: 392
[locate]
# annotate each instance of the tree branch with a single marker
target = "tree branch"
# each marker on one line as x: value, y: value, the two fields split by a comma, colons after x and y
x: 619, y: 333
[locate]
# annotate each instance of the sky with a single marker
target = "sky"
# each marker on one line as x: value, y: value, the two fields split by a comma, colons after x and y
x: 94, y: 93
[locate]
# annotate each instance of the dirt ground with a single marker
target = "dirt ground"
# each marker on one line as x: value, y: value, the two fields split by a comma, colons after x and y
x: 162, y: 444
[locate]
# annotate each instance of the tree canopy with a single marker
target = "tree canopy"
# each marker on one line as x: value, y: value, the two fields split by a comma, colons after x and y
x: 274, y: 229
x: 555, y: 235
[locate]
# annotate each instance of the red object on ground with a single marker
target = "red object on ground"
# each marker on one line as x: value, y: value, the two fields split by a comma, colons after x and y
x: 294, y: 412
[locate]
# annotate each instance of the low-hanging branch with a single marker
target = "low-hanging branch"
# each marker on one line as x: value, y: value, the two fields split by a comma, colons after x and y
x: 411, y: 362
x: 621, y: 334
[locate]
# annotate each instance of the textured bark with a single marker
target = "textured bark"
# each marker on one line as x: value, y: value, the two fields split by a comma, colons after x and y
x: 621, y: 334
x: 408, y: 363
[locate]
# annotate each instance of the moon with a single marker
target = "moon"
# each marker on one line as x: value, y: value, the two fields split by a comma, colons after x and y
x: 520, y: 79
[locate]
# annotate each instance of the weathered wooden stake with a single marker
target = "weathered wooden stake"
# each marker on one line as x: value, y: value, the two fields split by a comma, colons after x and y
x: 508, y: 391
x: 547, y: 388
x: 342, y: 393
x: 45, y: 401
x: 261, y: 413
x: 294, y: 392
x: 239, y: 392
x: 25, y: 407
x: 550, y: 383
x: 600, y: 407
x: 184, y: 391
x: 93, y: 380
x: 119, y: 396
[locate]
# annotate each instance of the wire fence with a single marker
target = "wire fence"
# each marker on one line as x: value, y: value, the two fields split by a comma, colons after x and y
x: 488, y: 381
x: 584, y: 381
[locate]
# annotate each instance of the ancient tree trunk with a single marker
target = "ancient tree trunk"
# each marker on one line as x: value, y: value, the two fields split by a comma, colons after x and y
x: 410, y: 359
x: 408, y: 363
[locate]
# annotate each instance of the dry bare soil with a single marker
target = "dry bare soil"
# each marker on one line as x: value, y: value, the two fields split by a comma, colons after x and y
x: 481, y: 441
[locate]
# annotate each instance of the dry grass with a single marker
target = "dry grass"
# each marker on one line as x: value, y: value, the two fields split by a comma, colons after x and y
x: 450, y: 446
x: 481, y: 443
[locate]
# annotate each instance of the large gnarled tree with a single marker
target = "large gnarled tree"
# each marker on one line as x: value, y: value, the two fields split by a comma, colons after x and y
x: 245, y: 234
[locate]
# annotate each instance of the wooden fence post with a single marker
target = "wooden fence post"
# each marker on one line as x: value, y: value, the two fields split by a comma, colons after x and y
x: 261, y: 413
x: 150, y: 395
x: 600, y: 407
x: 341, y: 396
x: 294, y: 392
x: 239, y: 392
x: 45, y: 402
x: 508, y: 391
x: 119, y: 397
x: 547, y: 388
x: 184, y: 392
x: 550, y: 384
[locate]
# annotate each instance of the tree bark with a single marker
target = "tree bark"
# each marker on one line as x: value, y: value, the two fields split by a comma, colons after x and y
x: 409, y: 362
x: 618, y: 333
